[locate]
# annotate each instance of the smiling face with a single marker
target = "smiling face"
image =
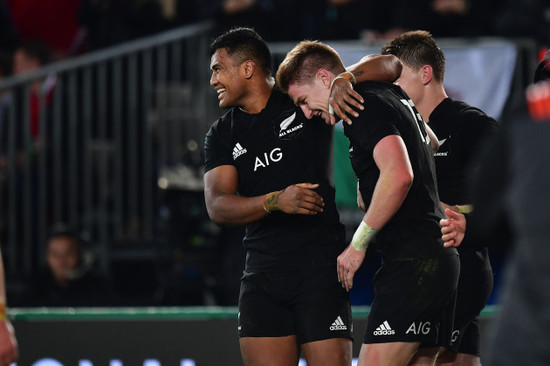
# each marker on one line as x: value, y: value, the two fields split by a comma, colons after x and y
x: 227, y: 79
x: 312, y: 98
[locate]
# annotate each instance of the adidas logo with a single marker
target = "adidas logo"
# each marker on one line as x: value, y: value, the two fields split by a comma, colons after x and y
x: 238, y: 150
x: 384, y: 329
x: 338, y: 324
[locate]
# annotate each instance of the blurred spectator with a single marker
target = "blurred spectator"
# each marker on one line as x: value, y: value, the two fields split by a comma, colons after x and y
x: 29, y: 56
x: 345, y: 18
x: 526, y: 18
x: 69, y: 279
x: 53, y: 22
x: 442, y: 18
x: 257, y: 14
x: 110, y: 22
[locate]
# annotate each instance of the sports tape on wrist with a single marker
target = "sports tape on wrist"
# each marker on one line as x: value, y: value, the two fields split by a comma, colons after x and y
x: 362, y: 236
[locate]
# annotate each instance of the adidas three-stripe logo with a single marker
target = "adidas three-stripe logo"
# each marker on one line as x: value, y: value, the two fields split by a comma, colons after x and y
x: 238, y: 150
x: 338, y: 324
x: 384, y: 329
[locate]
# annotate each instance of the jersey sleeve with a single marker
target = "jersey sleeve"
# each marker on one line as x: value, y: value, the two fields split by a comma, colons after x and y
x: 378, y: 120
x: 217, y: 147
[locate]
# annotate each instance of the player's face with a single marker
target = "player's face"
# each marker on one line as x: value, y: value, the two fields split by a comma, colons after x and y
x: 312, y: 98
x: 226, y: 79
x: 411, y: 82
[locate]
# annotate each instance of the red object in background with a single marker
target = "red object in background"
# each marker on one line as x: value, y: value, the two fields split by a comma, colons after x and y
x: 52, y: 21
x: 538, y: 101
x: 542, y: 53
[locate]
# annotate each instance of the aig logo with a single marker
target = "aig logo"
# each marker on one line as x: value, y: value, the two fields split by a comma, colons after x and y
x: 455, y: 335
x: 419, y: 328
x: 273, y: 157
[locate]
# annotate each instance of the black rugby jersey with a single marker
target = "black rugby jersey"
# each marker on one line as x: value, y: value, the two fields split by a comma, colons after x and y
x: 461, y: 130
x: 272, y: 150
x: 414, y: 231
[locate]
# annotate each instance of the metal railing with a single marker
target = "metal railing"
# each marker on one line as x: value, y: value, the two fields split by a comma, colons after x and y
x: 89, y: 141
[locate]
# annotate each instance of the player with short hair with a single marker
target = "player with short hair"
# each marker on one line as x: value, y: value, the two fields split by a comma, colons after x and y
x: 462, y: 130
x: 269, y: 167
x: 391, y: 155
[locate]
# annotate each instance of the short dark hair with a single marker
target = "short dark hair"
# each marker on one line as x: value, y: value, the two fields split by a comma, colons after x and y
x: 244, y: 44
x: 304, y: 60
x: 416, y: 49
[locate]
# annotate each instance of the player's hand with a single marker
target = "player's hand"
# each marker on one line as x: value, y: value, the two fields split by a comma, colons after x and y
x: 301, y: 199
x: 445, y: 206
x: 342, y: 99
x: 347, y: 264
x: 453, y: 228
x: 8, y: 344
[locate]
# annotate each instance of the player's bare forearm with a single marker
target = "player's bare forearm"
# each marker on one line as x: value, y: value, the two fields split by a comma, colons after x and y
x: 377, y: 67
x: 343, y: 100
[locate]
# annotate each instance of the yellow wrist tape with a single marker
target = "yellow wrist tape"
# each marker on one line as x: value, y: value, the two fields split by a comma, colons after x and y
x: 465, y: 208
x: 362, y: 237
x: 270, y: 201
x: 3, y: 314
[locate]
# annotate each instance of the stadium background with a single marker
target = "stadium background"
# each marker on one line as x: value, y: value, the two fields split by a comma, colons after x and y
x: 118, y: 156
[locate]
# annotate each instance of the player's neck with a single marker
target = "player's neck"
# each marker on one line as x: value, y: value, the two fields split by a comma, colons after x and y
x: 433, y: 97
x: 257, y: 97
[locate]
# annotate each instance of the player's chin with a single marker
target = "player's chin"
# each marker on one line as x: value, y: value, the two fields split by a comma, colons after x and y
x: 224, y: 103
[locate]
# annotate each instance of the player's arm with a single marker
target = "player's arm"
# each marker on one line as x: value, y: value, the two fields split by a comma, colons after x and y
x: 226, y: 207
x: 371, y: 67
x: 394, y: 182
x: 396, y: 176
x: 8, y: 342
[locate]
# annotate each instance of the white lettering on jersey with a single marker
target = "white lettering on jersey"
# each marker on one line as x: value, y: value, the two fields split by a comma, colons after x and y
x: 263, y: 161
x: 409, y: 104
x: 421, y: 327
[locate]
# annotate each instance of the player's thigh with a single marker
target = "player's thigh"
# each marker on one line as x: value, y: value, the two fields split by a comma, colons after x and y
x: 458, y: 359
x: 424, y: 357
x: 262, y: 312
x: 269, y: 351
x: 322, y: 308
x: 387, y: 354
x: 328, y: 352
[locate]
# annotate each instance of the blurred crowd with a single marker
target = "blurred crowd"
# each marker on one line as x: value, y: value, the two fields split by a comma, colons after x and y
x: 71, y: 27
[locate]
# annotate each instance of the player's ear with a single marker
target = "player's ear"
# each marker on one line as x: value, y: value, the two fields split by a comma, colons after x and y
x: 324, y: 76
x: 248, y: 67
x: 426, y: 74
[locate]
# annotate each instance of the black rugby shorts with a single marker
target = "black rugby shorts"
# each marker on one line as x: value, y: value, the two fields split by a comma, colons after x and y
x: 414, y: 301
x: 312, y: 306
x: 474, y: 288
